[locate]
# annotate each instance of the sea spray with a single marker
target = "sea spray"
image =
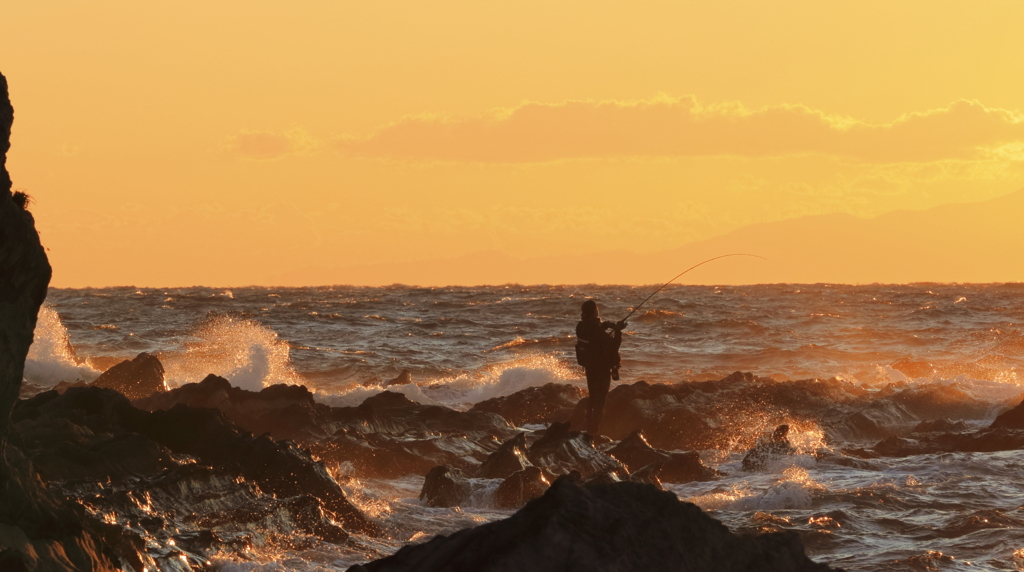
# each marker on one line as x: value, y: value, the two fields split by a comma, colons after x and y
x: 245, y: 352
x: 51, y: 359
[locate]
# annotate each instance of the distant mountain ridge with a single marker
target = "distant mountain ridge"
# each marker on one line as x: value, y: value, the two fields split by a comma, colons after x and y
x: 964, y: 242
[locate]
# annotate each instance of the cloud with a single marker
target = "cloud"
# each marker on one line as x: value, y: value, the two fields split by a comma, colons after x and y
x: 268, y: 145
x: 683, y: 127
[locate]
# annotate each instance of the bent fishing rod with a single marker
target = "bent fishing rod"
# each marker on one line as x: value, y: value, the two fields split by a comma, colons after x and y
x: 680, y: 274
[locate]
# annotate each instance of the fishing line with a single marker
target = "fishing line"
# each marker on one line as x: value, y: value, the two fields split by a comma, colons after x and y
x: 680, y: 274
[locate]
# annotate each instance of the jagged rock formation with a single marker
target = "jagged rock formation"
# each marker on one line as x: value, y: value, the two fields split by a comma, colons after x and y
x: 387, y: 436
x: 621, y: 526
x: 40, y: 530
x: 24, y: 277
x: 96, y: 434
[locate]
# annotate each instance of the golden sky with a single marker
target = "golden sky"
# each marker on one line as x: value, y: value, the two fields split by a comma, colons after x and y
x: 231, y: 143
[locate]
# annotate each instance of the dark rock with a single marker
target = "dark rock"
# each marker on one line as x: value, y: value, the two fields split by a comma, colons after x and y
x: 1011, y: 419
x: 934, y: 401
x: 561, y: 451
x: 445, y: 487
x: 901, y: 447
x: 509, y: 458
x: 941, y: 426
x: 680, y: 429
x: 40, y: 529
x: 552, y: 402
x: 686, y: 467
x: 135, y: 379
x: 404, y: 378
x: 872, y: 421
x: 620, y: 527
x: 386, y: 457
x: 768, y: 450
x: 279, y: 468
x: 634, y: 452
x: 520, y: 488
x: 648, y: 475
x: 284, y: 411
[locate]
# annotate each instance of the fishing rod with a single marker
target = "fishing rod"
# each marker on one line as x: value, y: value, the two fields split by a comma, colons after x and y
x: 680, y: 274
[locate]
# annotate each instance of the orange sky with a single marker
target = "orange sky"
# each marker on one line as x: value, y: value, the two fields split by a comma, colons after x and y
x: 234, y: 143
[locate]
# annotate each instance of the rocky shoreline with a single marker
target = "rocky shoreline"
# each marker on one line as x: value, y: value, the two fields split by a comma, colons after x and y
x: 178, y: 476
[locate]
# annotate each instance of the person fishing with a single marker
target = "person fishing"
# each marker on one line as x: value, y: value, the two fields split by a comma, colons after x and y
x: 597, y: 350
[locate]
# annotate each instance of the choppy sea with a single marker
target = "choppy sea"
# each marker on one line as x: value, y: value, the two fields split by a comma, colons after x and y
x: 462, y: 345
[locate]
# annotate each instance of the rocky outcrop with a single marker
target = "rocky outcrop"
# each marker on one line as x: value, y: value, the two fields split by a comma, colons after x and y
x: 284, y: 411
x: 535, y: 405
x: 619, y: 526
x: 561, y: 451
x: 96, y: 434
x: 510, y: 458
x: 24, y: 277
x: 136, y: 378
x: 1011, y: 419
x: 445, y: 487
x: 521, y: 487
x: 39, y: 529
x: 637, y: 454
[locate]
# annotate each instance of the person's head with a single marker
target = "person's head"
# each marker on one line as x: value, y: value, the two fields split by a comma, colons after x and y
x: 589, y: 310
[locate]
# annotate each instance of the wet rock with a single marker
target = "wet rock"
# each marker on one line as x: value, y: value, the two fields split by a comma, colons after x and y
x: 767, y: 451
x: 561, y: 451
x: 648, y: 475
x: 940, y: 426
x: 136, y: 378
x: 520, y: 488
x: 552, y: 402
x: 635, y: 452
x: 680, y: 429
x: 620, y: 526
x: 284, y: 411
x: 395, y: 414
x: 445, y: 487
x: 872, y: 421
x: 404, y: 378
x: 902, y: 447
x: 385, y: 457
x: 1011, y: 419
x: 934, y: 401
x: 509, y: 458
x: 134, y: 441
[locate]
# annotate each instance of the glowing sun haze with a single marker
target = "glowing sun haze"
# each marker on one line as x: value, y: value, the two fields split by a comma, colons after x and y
x: 232, y: 143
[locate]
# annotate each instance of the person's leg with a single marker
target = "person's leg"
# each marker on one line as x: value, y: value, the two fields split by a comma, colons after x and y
x: 598, y: 382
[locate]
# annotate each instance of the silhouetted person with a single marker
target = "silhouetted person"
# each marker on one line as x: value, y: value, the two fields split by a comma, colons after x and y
x: 597, y: 350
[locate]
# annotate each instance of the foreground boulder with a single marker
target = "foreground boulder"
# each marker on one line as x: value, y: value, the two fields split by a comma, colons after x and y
x: 96, y: 434
x: 618, y: 527
x: 636, y: 454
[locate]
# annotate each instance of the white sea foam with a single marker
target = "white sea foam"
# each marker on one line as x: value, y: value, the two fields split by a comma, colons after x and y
x: 501, y: 379
x: 794, y: 491
x: 51, y: 359
x: 356, y: 394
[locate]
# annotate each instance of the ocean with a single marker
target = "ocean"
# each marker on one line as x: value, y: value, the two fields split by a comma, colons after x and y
x: 462, y: 345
